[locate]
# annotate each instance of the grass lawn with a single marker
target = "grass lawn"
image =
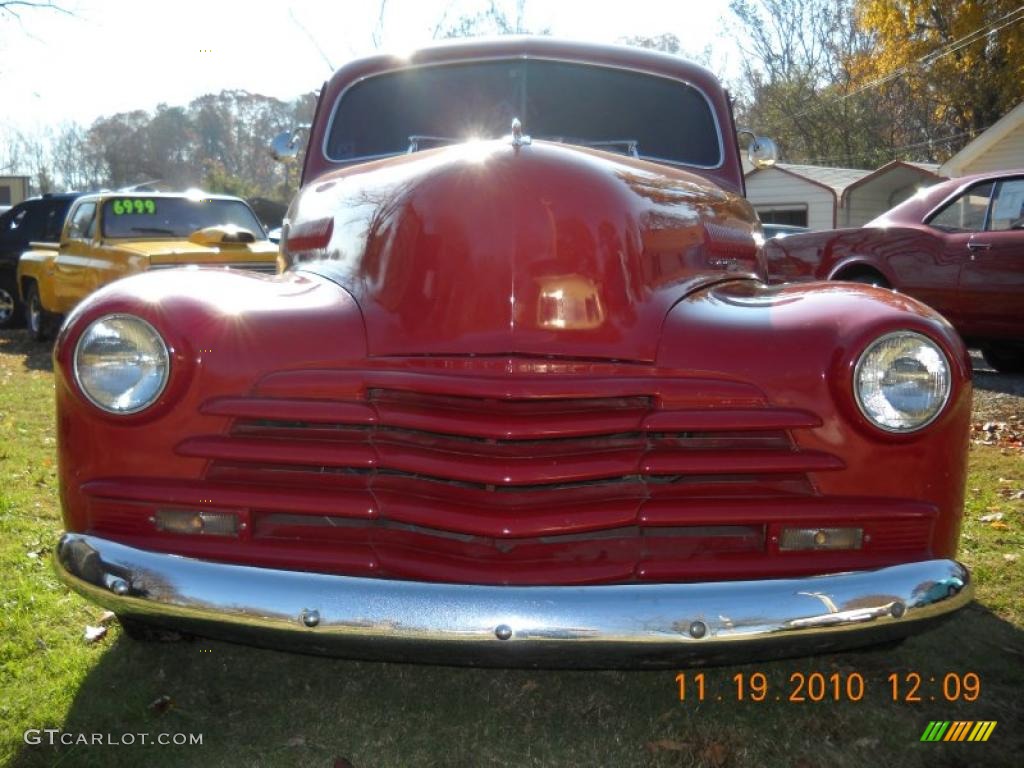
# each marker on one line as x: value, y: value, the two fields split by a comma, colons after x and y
x: 263, y: 708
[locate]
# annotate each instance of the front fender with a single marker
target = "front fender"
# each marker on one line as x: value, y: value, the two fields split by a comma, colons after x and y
x: 37, y: 265
x: 225, y: 331
x: 799, y: 344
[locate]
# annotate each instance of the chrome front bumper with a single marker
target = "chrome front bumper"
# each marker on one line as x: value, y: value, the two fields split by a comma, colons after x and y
x: 590, y: 626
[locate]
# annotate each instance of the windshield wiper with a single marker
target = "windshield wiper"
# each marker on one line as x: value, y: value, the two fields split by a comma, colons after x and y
x: 416, y: 142
x: 153, y: 230
x: 629, y: 147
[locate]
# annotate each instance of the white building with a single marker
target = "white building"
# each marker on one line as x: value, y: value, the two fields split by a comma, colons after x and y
x: 820, y: 197
x: 13, y: 189
x: 999, y: 148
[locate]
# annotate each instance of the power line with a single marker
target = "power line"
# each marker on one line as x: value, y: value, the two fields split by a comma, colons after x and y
x: 929, y: 58
x: 896, y: 150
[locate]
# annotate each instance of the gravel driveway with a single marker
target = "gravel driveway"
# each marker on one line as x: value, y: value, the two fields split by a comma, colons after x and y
x: 997, y: 396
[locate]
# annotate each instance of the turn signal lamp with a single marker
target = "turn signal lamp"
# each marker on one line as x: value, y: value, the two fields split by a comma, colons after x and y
x: 206, y: 522
x: 799, y: 539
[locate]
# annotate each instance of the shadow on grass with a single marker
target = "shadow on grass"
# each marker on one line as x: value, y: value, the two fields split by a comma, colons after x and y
x: 263, y: 708
x: 985, y: 377
x: 38, y: 356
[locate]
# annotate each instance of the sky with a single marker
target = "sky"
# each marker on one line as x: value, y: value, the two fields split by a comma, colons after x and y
x: 111, y: 56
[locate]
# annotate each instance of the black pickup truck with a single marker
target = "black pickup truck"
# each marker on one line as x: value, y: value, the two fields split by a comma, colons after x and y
x: 37, y: 219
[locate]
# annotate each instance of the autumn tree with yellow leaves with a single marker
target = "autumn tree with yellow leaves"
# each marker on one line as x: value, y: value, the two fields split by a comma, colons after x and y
x: 951, y: 67
x: 857, y: 83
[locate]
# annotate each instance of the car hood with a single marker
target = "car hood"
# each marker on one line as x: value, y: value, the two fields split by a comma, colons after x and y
x: 169, y: 252
x: 542, y: 249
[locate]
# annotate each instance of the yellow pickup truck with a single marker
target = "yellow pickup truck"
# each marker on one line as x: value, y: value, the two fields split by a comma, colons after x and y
x: 111, y: 235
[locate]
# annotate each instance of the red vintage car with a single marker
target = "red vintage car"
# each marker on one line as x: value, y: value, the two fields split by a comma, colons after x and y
x: 957, y: 246
x: 520, y: 396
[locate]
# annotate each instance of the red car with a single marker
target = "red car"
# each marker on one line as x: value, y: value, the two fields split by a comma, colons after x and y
x: 957, y: 246
x: 515, y: 400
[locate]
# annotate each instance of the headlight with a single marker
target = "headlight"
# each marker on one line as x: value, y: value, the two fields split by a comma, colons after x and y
x: 121, y: 364
x: 902, y: 381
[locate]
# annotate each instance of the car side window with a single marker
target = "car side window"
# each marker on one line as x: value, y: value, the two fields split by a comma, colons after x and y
x: 53, y: 221
x: 82, y: 224
x: 966, y: 213
x: 13, y: 219
x: 1008, y: 206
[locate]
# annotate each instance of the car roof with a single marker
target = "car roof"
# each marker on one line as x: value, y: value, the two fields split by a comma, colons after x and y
x: 916, y: 208
x: 53, y: 196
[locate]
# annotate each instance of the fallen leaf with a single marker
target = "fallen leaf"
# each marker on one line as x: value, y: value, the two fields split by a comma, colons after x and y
x: 993, y: 518
x: 161, y: 704
x: 106, y: 617
x: 296, y: 741
x: 342, y: 762
x: 530, y: 685
x: 866, y: 742
x: 715, y: 753
x: 667, y: 745
x: 94, y: 634
x: 1011, y: 558
x: 999, y: 526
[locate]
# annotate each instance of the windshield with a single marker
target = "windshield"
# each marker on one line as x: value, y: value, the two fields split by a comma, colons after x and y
x: 174, y: 216
x: 578, y: 103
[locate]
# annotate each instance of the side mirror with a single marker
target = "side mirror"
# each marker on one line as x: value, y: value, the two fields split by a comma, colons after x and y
x: 285, y: 146
x: 761, y: 152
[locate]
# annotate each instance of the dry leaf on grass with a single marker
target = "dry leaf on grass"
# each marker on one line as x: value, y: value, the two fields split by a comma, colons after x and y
x: 993, y: 518
x: 297, y: 741
x: 94, y: 634
x: 715, y: 753
x: 667, y: 745
x: 161, y: 704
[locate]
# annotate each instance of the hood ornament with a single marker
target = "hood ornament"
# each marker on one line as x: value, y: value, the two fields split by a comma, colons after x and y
x: 518, y: 139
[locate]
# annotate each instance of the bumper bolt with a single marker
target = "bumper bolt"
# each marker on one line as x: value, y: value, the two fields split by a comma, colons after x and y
x: 698, y: 629
x: 897, y: 610
x: 503, y: 632
x: 117, y: 585
x: 310, y: 618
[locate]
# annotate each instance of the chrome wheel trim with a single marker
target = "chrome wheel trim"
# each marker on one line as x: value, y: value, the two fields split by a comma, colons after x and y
x: 35, y: 313
x: 6, y: 305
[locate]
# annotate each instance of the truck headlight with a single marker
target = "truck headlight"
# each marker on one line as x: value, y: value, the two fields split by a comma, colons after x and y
x: 121, y: 364
x: 902, y: 381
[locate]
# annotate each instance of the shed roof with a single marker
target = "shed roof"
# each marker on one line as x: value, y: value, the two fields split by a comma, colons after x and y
x: 984, y: 141
x: 835, y: 179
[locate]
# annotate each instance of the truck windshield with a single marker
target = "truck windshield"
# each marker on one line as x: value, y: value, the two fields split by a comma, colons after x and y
x: 174, y: 216
x: 661, y: 118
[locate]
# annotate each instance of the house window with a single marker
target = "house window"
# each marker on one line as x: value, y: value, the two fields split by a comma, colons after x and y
x: 791, y: 214
x: 5, y: 195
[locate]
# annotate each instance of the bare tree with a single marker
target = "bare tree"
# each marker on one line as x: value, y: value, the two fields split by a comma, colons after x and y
x: 493, y: 19
x: 14, y: 8
x: 797, y: 56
